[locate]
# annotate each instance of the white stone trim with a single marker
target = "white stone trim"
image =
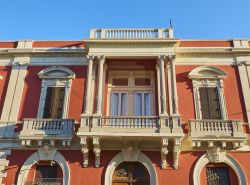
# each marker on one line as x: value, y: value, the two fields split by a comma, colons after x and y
x: 56, y: 76
x: 225, y: 158
x: 124, y: 156
x: 36, y: 157
x: 208, y: 76
x: 244, y: 73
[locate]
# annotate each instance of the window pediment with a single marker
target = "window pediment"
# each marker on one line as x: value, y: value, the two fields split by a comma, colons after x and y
x: 207, y: 72
x: 56, y: 72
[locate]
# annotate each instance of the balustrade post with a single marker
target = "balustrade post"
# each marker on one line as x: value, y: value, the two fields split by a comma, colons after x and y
x: 237, y: 129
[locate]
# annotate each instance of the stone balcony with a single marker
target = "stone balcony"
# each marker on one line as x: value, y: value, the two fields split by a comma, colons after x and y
x: 130, y: 126
x: 47, y: 131
x: 151, y: 33
x: 161, y: 133
x: 225, y: 133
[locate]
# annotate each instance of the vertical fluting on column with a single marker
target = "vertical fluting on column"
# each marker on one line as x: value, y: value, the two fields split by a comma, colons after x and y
x: 161, y: 63
x: 174, y: 87
x: 101, y: 60
x: 89, y: 81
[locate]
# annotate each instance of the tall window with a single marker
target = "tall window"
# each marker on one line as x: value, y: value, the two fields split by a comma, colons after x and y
x: 208, y: 89
x: 142, y: 104
x: 210, y: 105
x: 54, y: 98
x: 54, y: 102
x: 131, y: 93
x: 119, y: 104
x: 218, y: 176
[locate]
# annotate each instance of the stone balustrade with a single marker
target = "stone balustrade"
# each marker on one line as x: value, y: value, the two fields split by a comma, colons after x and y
x: 132, y: 33
x: 127, y: 124
x: 51, y: 129
x: 216, y: 130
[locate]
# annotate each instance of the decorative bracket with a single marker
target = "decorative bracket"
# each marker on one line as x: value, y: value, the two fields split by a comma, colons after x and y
x: 215, y: 154
x: 176, y: 152
x: 85, y: 151
x: 97, y: 150
x: 164, y: 152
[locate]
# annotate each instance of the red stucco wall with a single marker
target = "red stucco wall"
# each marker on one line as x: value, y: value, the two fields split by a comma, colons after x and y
x: 233, y: 94
x: 32, y: 89
x: 95, y: 176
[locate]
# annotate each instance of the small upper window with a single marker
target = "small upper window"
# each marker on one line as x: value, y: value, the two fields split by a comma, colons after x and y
x: 208, y: 92
x: 54, y: 98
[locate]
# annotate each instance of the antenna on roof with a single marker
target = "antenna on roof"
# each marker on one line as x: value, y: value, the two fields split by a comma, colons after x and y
x: 170, y: 22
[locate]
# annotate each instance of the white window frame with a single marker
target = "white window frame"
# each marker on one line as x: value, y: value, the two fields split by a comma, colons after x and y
x: 208, y: 77
x: 131, y: 88
x: 55, y: 76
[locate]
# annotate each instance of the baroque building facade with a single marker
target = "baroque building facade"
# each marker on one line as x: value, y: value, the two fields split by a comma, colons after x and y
x: 125, y: 107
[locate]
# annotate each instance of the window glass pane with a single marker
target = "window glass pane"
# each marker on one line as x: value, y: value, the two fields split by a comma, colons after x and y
x: 138, y: 104
x: 114, y: 104
x: 147, y: 104
x: 124, y: 104
x: 218, y: 176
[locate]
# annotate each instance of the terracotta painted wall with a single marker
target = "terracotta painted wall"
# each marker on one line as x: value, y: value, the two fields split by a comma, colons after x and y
x: 5, y: 74
x: 32, y: 89
x: 95, y: 176
x: 233, y: 94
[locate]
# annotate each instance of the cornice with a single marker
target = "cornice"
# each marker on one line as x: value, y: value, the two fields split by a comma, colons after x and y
x: 40, y: 50
x: 146, y: 40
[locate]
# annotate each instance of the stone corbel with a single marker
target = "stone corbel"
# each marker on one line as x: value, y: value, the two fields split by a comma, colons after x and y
x: 85, y: 151
x: 215, y: 154
x: 176, y: 152
x: 97, y: 150
x: 164, y: 152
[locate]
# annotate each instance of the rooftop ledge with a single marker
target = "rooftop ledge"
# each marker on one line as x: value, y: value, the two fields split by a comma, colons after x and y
x: 145, y: 33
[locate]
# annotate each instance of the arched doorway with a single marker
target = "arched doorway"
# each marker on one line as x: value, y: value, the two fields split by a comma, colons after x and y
x: 45, y: 172
x: 131, y: 173
x: 39, y: 156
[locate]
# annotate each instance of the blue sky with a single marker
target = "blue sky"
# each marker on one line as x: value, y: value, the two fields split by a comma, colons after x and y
x: 72, y: 19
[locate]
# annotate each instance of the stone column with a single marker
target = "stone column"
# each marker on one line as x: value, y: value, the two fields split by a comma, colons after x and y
x: 174, y: 87
x: 101, y: 60
x: 176, y: 122
x: 89, y: 80
x: 157, y: 67
x: 161, y: 61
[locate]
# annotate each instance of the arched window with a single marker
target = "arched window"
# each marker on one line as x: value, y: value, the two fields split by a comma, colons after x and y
x: 54, y: 98
x: 131, y: 173
x: 208, y: 92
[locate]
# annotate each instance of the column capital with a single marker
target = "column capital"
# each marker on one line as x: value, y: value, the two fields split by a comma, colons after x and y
x: 100, y: 58
x: 91, y: 57
x: 161, y: 57
x: 171, y: 57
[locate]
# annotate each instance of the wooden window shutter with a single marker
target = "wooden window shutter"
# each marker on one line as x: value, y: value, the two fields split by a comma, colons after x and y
x: 204, y: 100
x: 210, y: 105
x: 214, y: 103
x: 54, y: 102
x: 47, y: 106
